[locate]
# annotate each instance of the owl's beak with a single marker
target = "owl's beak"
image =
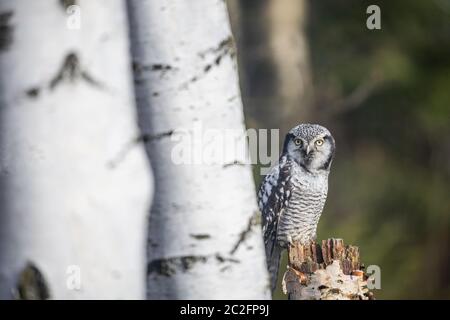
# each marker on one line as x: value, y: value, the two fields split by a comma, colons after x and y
x: 308, y: 150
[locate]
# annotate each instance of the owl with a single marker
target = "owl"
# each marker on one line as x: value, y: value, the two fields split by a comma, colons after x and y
x: 292, y: 195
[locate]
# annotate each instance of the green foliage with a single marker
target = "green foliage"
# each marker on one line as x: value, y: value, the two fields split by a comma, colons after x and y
x: 391, y: 178
x: 390, y: 181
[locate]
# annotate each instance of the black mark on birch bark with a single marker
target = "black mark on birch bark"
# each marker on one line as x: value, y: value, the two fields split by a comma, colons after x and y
x: 6, y: 30
x: 222, y: 259
x: 140, y: 69
x: 71, y: 70
x: 170, y: 266
x: 200, y: 236
x: 32, y: 284
x: 231, y: 99
x: 225, y: 47
x: 33, y: 93
x: 144, y: 138
x: 152, y: 244
x: 253, y: 221
x: 67, y: 3
x: 121, y: 155
x: 161, y: 67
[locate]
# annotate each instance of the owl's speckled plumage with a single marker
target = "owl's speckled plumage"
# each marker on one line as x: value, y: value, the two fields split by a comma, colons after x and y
x: 292, y: 196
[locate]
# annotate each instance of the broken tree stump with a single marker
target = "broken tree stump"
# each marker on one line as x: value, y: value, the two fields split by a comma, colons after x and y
x: 330, y: 271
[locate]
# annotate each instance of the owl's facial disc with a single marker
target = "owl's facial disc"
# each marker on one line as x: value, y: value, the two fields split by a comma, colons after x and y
x: 314, y: 154
x: 294, y: 146
x: 319, y: 153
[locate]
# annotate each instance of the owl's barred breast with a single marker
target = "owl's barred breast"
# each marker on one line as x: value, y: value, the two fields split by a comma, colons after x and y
x: 299, y: 220
x: 292, y: 196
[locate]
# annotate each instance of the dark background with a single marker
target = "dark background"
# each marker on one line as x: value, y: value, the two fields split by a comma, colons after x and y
x: 385, y: 96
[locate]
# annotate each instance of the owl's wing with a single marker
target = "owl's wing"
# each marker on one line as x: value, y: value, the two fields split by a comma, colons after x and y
x: 273, y: 197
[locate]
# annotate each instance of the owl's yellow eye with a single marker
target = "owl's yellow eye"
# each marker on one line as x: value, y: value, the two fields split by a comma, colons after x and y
x: 298, y: 142
x: 319, y: 142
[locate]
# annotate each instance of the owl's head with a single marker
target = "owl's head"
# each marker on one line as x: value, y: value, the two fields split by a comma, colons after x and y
x: 311, y: 146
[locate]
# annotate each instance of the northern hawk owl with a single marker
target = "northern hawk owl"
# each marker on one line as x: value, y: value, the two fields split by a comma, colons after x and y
x: 292, y: 195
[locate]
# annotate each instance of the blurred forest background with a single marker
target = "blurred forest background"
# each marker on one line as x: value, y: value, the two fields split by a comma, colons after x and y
x: 385, y: 95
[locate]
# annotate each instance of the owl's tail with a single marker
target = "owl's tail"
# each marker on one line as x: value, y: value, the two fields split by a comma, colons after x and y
x: 273, y: 255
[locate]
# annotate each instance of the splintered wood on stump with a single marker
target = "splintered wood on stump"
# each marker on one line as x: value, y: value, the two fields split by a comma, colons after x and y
x: 331, y: 271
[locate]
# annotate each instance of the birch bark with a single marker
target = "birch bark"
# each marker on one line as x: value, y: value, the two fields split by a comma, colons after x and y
x: 74, y: 187
x: 205, y: 240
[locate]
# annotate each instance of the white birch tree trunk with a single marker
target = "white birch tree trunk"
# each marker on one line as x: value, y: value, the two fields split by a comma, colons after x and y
x: 74, y: 183
x: 205, y: 240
